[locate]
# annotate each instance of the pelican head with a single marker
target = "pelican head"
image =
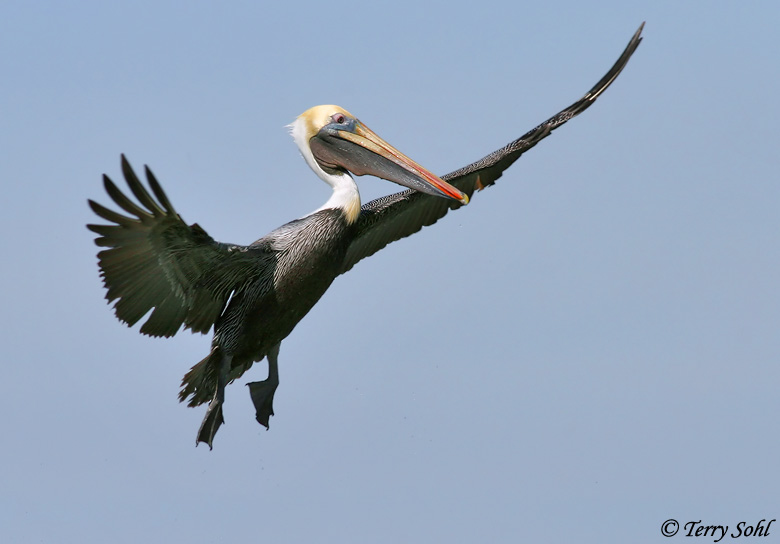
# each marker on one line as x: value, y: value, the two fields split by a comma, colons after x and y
x: 334, y: 142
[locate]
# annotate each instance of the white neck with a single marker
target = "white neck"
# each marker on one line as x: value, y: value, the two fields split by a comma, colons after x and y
x: 345, y: 191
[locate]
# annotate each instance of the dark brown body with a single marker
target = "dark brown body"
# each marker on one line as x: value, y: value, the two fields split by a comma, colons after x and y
x: 296, y: 264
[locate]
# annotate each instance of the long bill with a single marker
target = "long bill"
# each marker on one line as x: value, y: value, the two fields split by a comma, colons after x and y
x: 361, y: 151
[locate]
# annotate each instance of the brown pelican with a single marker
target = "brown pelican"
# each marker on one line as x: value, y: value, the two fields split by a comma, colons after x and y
x: 254, y: 295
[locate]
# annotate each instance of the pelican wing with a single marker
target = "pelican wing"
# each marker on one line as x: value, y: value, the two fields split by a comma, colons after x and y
x: 155, y: 260
x: 385, y: 220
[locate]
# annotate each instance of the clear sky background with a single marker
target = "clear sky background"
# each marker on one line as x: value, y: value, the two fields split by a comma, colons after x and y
x: 589, y: 348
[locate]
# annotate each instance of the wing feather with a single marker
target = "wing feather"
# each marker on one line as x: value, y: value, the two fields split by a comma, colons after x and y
x: 123, y: 201
x: 385, y: 220
x: 156, y: 263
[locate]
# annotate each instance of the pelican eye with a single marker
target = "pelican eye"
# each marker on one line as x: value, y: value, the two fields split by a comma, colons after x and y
x: 339, y: 118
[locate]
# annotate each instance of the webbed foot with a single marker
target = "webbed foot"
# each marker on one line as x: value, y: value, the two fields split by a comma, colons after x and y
x: 263, y: 398
x: 211, y: 423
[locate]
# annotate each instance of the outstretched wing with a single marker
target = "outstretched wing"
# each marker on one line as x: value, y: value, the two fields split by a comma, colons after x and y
x: 385, y: 220
x: 156, y: 261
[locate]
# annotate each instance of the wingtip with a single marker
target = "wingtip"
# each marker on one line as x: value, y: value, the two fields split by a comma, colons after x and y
x: 637, y: 37
x: 108, y: 184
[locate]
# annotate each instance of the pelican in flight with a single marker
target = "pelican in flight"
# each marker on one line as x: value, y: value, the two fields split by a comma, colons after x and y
x: 254, y: 295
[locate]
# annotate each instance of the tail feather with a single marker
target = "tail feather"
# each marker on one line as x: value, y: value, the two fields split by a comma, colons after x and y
x: 200, y: 382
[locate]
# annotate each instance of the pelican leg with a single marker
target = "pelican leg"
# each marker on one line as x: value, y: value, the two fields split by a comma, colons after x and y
x: 263, y: 392
x: 213, y: 418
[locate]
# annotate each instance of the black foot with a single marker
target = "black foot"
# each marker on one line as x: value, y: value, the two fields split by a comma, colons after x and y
x: 263, y: 398
x: 210, y: 424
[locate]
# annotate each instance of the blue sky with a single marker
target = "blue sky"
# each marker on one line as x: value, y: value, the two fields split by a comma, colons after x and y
x: 589, y: 348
